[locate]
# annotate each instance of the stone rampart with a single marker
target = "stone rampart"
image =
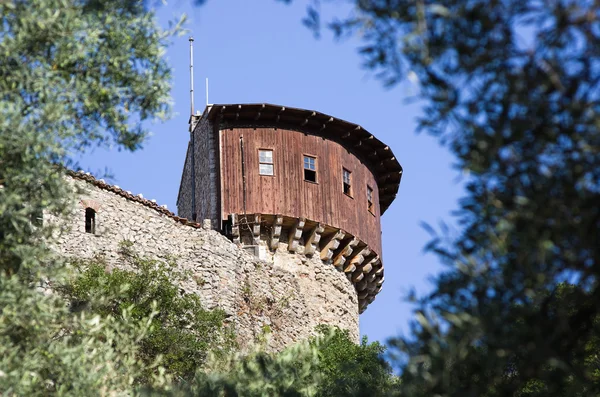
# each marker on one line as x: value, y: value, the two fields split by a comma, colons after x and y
x: 286, y: 293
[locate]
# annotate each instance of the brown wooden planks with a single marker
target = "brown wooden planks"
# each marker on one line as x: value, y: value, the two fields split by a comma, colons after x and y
x: 287, y: 193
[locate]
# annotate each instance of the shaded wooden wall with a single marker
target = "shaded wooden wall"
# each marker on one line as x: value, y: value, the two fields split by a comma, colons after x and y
x: 287, y: 193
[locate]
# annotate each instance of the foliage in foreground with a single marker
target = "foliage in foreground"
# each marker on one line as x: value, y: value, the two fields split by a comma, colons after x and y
x: 46, y: 350
x: 350, y: 369
x: 292, y: 373
x: 181, y: 331
x: 73, y: 74
x: 511, y: 86
x: 329, y: 364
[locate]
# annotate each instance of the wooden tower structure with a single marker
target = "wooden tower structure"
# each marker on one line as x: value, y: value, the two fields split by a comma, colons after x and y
x: 268, y: 175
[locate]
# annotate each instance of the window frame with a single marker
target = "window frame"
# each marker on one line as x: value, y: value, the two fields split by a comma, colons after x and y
x: 304, y: 169
x: 89, y: 211
x: 350, y: 192
x: 370, y: 200
x: 272, y: 163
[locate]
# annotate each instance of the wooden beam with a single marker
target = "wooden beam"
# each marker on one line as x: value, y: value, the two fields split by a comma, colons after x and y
x: 235, y: 228
x: 361, y: 285
x: 259, y: 112
x: 349, y: 268
x: 385, y: 149
x: 355, y: 260
x: 344, y: 252
x: 382, y: 180
x: 312, y: 242
x: 330, y: 246
x: 276, y: 232
x: 368, y: 267
x: 325, y: 124
x: 255, y: 228
x: 382, y: 163
x: 371, y: 277
x: 357, y: 276
x: 358, y: 255
x: 279, y: 114
x: 306, y: 120
x: 295, y: 234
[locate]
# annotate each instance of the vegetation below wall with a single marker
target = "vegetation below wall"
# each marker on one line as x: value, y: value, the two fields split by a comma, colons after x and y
x: 151, y: 338
x: 181, y: 333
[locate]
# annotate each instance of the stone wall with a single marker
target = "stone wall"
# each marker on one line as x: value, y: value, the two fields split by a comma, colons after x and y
x: 205, y: 172
x: 184, y: 198
x: 288, y: 294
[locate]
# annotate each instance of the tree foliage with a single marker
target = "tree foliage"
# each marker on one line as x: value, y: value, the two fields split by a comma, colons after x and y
x: 45, y: 350
x: 511, y: 87
x: 181, y: 332
x: 587, y: 353
x: 350, y: 369
x: 329, y: 364
x: 290, y: 373
x: 73, y: 74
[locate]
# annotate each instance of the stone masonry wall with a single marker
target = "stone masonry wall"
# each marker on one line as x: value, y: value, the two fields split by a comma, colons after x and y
x: 285, y: 293
x: 206, y: 178
x: 184, y: 199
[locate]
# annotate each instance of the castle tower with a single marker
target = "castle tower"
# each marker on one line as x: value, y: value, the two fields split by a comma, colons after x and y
x: 272, y: 177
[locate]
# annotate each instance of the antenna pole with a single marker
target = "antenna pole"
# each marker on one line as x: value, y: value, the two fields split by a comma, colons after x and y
x: 207, y: 91
x: 191, y: 76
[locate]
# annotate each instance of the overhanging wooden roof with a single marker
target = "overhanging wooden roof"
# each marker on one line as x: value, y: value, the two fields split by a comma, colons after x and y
x: 377, y: 156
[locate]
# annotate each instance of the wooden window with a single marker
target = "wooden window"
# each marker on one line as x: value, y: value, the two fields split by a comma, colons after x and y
x: 265, y: 162
x: 90, y: 220
x: 310, y: 169
x: 347, y: 183
x: 370, y: 200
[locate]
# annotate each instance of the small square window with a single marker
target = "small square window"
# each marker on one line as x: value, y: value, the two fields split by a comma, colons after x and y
x: 265, y: 162
x: 265, y: 169
x: 347, y: 183
x: 370, y: 199
x: 310, y: 169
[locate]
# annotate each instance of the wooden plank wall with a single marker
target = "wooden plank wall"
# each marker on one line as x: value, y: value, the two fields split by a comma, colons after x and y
x: 287, y: 193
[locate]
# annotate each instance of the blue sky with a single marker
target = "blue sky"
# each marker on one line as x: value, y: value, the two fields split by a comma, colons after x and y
x: 258, y: 51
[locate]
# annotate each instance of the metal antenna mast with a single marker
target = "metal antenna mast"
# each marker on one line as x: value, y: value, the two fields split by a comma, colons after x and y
x: 191, y: 76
